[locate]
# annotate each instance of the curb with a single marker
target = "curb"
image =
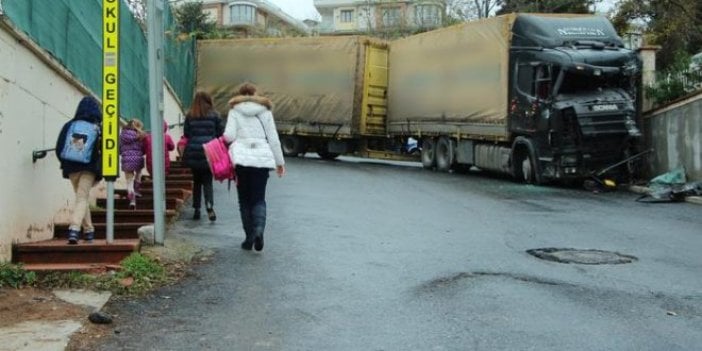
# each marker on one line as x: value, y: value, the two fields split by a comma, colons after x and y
x: 638, y: 189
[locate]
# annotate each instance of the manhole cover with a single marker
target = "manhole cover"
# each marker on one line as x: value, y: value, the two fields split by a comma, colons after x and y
x: 581, y: 256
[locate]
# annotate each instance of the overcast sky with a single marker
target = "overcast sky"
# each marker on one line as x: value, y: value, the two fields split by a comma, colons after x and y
x: 304, y: 9
x: 300, y: 9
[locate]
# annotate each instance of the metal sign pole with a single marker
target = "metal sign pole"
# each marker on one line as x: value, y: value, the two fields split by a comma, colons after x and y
x: 110, y: 105
x: 155, y: 35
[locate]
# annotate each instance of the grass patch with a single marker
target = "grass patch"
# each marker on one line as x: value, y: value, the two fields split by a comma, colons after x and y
x: 139, y: 274
x: 15, y: 276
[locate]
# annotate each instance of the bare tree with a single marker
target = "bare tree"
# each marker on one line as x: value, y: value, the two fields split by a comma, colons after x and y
x: 138, y: 9
x: 466, y: 10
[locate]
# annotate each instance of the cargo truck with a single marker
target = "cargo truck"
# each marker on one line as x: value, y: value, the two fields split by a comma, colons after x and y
x: 540, y: 97
x: 329, y: 93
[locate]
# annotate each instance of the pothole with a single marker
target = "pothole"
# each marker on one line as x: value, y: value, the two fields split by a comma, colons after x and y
x: 578, y: 256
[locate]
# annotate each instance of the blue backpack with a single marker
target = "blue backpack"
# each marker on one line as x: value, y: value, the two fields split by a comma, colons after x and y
x: 80, y: 141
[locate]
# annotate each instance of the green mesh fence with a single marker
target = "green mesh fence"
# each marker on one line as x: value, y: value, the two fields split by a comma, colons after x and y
x: 71, y: 31
x: 180, y: 61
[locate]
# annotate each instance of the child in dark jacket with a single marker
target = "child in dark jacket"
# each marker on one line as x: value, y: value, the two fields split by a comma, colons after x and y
x: 83, y: 175
x: 132, y: 154
x: 168, y: 146
x: 202, y: 124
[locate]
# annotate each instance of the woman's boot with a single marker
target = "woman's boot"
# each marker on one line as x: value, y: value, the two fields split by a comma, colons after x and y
x: 258, y: 217
x: 247, y: 244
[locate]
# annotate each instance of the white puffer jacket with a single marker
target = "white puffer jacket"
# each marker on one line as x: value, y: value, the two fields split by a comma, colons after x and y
x: 246, y: 134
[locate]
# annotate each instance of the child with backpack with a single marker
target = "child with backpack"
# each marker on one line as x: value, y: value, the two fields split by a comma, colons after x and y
x: 168, y: 146
x: 131, y: 152
x: 78, y: 151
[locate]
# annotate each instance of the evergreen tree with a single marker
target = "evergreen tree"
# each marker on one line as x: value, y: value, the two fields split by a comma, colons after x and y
x: 192, y: 20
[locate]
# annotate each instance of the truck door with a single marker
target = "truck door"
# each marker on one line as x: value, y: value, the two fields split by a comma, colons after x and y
x: 532, y: 88
x: 375, y: 87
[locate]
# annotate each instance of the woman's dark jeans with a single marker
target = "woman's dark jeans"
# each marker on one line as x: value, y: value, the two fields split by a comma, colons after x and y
x: 202, y: 181
x: 252, y: 199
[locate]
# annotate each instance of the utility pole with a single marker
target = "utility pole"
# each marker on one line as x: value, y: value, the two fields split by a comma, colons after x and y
x: 155, y: 36
x: 110, y: 107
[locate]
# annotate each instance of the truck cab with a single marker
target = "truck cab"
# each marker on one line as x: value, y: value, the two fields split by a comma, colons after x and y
x: 572, y: 107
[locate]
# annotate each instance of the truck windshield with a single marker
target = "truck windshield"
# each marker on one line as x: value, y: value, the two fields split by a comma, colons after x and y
x: 576, y: 83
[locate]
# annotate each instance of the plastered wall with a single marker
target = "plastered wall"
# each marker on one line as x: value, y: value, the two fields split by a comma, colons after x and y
x: 35, y: 102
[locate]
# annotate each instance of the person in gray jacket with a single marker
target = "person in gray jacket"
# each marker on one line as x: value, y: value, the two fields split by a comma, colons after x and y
x: 255, y: 150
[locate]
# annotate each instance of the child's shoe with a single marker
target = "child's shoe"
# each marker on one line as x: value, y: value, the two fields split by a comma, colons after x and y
x: 137, y: 189
x: 89, y: 236
x: 211, y: 214
x: 132, y: 201
x: 73, y: 236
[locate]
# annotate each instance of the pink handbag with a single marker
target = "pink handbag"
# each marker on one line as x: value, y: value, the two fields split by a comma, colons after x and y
x: 217, y: 156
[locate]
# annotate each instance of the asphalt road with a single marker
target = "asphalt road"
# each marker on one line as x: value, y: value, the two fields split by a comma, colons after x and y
x: 367, y: 256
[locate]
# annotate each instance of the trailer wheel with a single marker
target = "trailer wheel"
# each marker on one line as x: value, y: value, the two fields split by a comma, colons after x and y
x: 326, y: 155
x: 428, y: 153
x: 445, y: 151
x: 292, y: 145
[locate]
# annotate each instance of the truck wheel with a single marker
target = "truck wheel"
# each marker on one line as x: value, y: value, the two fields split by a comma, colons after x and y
x: 527, y: 169
x: 523, y: 166
x: 444, y: 154
x: 428, y: 153
x: 292, y: 145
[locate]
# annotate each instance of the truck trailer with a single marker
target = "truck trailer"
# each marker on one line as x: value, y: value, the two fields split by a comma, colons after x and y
x: 329, y: 93
x: 540, y: 97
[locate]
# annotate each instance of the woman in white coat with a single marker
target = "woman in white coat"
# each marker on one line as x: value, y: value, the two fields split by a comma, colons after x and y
x: 255, y: 149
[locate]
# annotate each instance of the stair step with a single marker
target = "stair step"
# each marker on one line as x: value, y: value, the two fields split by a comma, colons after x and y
x: 71, y: 267
x: 170, y: 193
x: 170, y: 184
x: 143, y: 203
x: 177, y: 177
x: 58, y: 251
x: 130, y: 216
x: 179, y: 170
x: 122, y: 230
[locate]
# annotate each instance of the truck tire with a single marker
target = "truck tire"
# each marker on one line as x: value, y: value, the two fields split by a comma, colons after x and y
x: 445, y: 151
x: 292, y: 145
x: 524, y: 167
x: 428, y: 153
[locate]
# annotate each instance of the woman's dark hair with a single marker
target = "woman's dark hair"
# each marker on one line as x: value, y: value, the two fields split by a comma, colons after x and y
x: 202, y: 105
x: 247, y: 89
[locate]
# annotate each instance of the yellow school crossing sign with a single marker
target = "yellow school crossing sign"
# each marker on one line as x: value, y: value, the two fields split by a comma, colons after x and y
x: 110, y: 88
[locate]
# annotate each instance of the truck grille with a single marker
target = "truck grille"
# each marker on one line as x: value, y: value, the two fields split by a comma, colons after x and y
x: 601, y: 125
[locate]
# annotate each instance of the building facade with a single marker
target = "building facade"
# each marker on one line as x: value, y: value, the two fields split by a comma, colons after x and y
x: 363, y: 16
x: 253, y: 16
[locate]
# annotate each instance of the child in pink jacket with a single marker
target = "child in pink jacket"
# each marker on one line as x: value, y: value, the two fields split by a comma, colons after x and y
x: 168, y: 146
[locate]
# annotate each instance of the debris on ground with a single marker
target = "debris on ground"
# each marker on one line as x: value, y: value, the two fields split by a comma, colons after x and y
x: 671, y: 187
x: 98, y: 317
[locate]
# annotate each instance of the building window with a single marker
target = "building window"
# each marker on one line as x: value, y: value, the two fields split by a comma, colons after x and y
x: 346, y: 16
x: 428, y: 15
x: 211, y: 14
x: 242, y: 14
x: 391, y: 16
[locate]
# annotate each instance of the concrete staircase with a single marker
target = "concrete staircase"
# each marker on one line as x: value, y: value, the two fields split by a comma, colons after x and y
x: 56, y: 255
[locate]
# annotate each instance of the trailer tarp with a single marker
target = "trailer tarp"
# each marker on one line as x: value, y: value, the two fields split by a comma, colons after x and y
x: 312, y: 81
x: 451, y: 80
